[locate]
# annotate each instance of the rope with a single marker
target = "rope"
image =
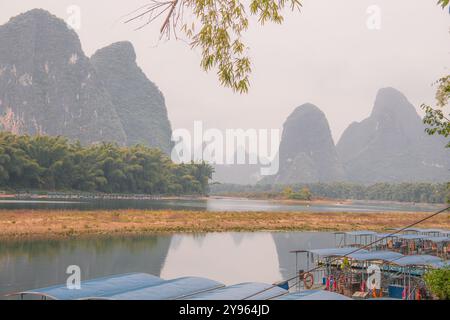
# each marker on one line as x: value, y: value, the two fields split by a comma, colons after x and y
x: 350, y: 253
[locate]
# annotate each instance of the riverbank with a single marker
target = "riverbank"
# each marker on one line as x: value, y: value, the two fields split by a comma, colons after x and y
x: 65, y: 196
x: 94, y: 196
x: 23, y: 224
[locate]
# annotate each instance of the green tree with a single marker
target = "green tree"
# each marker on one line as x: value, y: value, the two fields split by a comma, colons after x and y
x: 288, y: 192
x: 305, y: 194
x: 438, y: 281
x: 436, y: 118
x: 54, y: 163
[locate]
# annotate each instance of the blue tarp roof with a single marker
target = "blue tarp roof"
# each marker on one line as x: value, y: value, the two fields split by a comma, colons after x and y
x: 439, y: 265
x: 170, y: 290
x: 438, y: 239
x: 433, y: 231
x: 314, y: 295
x: 386, y: 235
x: 424, y: 237
x: 412, y: 237
x: 376, y: 255
x: 251, y: 290
x: 335, y: 252
x: 129, y: 287
x: 100, y: 287
x: 419, y: 260
x: 139, y: 286
x: 410, y: 229
x: 421, y: 230
x: 360, y: 233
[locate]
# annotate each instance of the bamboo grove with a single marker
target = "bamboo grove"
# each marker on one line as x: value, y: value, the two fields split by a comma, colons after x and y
x: 55, y: 163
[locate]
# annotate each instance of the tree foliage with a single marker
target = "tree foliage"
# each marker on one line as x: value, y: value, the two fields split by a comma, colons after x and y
x: 54, y: 163
x: 436, y: 118
x: 438, y: 281
x: 403, y: 192
x: 443, y: 3
x: 217, y: 30
x: 303, y: 194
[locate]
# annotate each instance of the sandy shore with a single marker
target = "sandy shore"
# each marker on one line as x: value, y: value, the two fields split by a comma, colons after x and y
x: 22, y: 224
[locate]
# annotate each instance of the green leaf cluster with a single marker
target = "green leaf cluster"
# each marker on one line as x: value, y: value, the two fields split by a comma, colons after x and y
x: 221, y: 35
x: 438, y: 281
x: 436, y: 119
x: 217, y: 30
x: 303, y: 194
x: 443, y: 3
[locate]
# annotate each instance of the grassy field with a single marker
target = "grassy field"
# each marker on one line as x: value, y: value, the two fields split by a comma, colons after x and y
x: 18, y: 224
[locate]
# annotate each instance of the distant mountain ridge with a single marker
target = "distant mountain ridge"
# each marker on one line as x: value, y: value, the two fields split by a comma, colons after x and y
x: 307, y: 152
x: 138, y: 102
x: 49, y: 86
x: 389, y: 146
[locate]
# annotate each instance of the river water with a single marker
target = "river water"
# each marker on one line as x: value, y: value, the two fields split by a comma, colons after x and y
x: 217, y: 204
x: 226, y: 257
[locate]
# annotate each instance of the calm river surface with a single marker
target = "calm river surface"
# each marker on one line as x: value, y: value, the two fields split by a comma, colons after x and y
x: 227, y: 257
x: 216, y: 204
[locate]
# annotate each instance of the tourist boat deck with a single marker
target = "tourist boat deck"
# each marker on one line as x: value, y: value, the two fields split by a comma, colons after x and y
x: 412, y: 241
x: 401, y: 260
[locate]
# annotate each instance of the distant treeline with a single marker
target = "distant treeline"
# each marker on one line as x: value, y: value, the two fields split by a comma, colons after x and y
x: 54, y: 163
x: 403, y: 192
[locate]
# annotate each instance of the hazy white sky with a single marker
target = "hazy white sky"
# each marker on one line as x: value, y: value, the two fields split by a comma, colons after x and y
x: 325, y: 55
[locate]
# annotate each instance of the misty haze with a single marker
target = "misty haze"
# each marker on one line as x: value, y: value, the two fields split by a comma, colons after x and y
x: 308, y: 144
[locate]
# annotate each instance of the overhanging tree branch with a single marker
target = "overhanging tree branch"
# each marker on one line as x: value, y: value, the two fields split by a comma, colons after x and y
x: 216, y: 29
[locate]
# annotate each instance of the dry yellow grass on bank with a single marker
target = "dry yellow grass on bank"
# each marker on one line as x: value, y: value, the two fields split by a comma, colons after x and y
x: 17, y: 224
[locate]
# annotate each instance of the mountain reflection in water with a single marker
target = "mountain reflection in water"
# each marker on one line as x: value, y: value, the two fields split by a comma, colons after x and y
x: 227, y: 257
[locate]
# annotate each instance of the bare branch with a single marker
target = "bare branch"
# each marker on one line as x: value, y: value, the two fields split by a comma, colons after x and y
x: 167, y: 21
